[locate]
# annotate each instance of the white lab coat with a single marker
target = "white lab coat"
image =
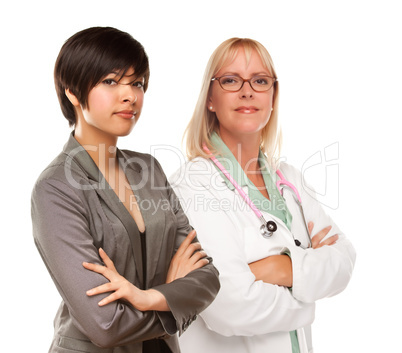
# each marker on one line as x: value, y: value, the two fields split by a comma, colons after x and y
x: 248, y: 315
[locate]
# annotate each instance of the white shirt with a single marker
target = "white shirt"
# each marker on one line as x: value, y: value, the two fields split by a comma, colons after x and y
x: 249, y: 315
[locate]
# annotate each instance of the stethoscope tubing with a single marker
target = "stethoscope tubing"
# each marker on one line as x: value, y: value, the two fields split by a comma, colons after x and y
x: 267, y: 228
x: 234, y: 183
x: 283, y: 181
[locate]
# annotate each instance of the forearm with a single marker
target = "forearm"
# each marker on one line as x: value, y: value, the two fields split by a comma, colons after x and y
x: 188, y: 296
x: 261, y: 307
x: 155, y: 301
x: 276, y: 269
x: 322, y: 272
x: 122, y: 289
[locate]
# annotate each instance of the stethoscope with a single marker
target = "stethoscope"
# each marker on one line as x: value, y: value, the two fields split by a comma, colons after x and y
x: 267, y: 228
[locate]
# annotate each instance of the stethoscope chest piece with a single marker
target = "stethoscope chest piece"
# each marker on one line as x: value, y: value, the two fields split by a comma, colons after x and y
x: 268, y: 229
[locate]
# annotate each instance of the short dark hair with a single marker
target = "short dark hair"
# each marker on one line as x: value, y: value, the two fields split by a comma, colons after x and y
x: 90, y: 55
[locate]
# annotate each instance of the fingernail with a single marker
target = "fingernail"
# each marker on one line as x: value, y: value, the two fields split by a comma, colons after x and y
x: 89, y: 292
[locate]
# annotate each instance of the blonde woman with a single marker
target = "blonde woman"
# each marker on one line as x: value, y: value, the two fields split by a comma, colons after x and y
x: 275, y: 258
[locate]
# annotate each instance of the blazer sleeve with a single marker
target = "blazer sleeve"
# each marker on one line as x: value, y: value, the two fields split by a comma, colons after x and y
x: 64, y: 241
x: 322, y: 272
x: 190, y: 295
x: 244, y: 306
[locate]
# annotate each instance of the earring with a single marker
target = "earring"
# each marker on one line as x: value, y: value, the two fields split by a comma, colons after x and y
x: 210, y: 108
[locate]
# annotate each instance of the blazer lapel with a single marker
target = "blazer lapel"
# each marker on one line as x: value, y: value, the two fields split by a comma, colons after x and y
x: 150, y: 202
x: 118, y: 208
x: 97, y: 182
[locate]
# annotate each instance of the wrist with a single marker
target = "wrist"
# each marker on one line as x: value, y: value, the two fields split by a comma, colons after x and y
x: 156, y: 301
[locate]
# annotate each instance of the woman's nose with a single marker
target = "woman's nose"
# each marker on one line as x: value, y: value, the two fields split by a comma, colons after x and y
x: 246, y: 91
x: 128, y: 94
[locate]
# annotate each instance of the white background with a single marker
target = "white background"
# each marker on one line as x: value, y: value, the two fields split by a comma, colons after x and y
x: 339, y: 66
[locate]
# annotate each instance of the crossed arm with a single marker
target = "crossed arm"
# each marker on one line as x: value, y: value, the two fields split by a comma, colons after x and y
x: 277, y: 269
x: 188, y: 257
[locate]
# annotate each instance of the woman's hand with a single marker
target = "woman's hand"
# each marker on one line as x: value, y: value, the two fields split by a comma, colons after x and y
x: 123, y: 289
x: 316, y: 240
x: 188, y: 257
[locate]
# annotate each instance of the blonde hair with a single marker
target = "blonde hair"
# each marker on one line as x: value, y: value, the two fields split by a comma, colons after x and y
x: 204, y: 122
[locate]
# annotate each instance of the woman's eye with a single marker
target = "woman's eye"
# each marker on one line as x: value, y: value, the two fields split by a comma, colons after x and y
x: 229, y: 80
x: 138, y: 84
x: 109, y: 82
x: 261, y: 81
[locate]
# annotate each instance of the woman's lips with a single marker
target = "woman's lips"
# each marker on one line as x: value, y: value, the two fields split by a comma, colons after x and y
x: 246, y: 110
x: 126, y: 114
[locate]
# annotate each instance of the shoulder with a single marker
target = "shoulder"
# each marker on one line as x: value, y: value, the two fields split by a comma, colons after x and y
x: 147, y: 165
x: 64, y: 178
x: 142, y: 160
x: 197, y: 164
x: 59, y: 188
x: 296, y: 177
x: 61, y: 170
x: 290, y: 173
x: 198, y: 171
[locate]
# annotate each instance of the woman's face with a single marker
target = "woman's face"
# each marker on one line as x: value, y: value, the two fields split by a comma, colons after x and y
x: 114, y: 105
x: 245, y: 112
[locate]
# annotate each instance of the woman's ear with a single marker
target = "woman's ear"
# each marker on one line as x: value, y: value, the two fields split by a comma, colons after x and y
x: 210, y: 106
x: 72, y: 98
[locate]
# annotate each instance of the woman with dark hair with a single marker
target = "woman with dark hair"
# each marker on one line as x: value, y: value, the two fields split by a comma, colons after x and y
x: 90, y: 223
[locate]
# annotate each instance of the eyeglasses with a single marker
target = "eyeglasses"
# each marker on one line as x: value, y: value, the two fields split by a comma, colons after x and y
x: 233, y: 83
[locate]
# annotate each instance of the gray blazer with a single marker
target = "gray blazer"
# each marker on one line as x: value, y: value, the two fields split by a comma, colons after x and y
x: 74, y: 212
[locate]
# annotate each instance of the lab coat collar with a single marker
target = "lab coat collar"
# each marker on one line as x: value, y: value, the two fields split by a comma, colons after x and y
x: 228, y: 160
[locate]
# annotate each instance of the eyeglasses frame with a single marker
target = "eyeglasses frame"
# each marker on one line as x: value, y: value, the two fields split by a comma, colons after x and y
x: 244, y: 80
